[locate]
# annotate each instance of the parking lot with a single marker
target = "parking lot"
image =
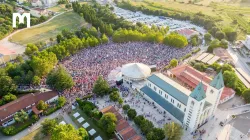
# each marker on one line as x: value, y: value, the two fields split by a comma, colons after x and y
x: 159, y: 21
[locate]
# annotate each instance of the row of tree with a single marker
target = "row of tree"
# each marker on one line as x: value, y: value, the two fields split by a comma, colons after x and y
x: 217, y: 44
x: 55, y: 131
x: 230, y: 78
x: 173, y: 39
x: 172, y: 131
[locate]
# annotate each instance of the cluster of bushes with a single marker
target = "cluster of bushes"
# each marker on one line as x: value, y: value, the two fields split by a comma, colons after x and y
x: 195, y: 41
x: 7, y: 98
x: 54, y: 131
x: 175, y: 40
x: 217, y: 44
x: 144, y: 124
x: 13, y: 130
x: 89, y: 108
x: 150, y: 35
x: 51, y: 110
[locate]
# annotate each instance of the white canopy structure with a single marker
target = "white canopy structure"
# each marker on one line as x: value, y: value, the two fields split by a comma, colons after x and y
x: 135, y: 71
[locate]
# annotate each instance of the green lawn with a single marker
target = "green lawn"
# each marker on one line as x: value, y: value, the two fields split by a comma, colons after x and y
x: 92, y: 124
x: 35, y: 135
x: 69, y: 20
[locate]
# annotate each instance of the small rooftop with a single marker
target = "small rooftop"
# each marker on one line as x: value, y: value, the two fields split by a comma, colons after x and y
x: 198, y: 93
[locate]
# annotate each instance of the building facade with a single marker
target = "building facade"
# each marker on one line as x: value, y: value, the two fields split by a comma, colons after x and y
x: 191, y: 109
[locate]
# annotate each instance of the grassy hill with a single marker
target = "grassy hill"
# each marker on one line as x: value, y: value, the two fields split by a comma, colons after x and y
x: 69, y: 20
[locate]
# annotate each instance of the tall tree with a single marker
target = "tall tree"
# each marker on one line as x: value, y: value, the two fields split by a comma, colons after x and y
x: 114, y: 96
x: 65, y: 132
x: 108, y: 122
x: 48, y: 126
x: 173, y: 63
x: 175, y: 40
x: 246, y: 95
x: 59, y: 79
x: 83, y: 133
x: 207, y: 38
x: 132, y: 113
x: 61, y: 101
x: 173, y: 131
x: 101, y: 87
x: 31, y: 49
x: 21, y: 116
x: 230, y: 79
x: 156, y: 134
x: 43, y: 63
x: 6, y: 85
x: 42, y: 105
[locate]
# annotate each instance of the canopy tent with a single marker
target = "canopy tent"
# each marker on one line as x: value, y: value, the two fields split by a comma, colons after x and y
x: 136, y: 71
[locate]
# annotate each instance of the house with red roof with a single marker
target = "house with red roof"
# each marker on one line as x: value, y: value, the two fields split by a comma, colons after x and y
x: 188, y: 33
x: 123, y: 130
x: 192, y: 77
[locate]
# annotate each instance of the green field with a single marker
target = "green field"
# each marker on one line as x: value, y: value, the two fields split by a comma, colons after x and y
x: 51, y: 29
x: 225, y: 12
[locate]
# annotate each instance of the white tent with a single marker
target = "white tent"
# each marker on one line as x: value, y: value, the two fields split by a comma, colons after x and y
x: 136, y: 71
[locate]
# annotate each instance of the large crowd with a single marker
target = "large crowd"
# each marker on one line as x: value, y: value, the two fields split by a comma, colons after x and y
x: 87, y: 65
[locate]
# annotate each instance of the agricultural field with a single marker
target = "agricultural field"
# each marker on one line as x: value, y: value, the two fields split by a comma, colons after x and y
x: 68, y: 20
x: 226, y: 12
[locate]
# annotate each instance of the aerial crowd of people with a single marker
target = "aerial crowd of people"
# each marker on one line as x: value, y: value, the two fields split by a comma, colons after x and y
x: 87, y: 65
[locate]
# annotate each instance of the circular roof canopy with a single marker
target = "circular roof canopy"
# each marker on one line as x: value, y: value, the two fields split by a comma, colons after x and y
x: 136, y: 71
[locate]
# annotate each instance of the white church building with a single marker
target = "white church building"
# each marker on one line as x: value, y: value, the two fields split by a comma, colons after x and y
x: 191, y: 108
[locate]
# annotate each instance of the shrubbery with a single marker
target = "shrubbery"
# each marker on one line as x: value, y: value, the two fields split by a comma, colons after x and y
x: 12, y: 130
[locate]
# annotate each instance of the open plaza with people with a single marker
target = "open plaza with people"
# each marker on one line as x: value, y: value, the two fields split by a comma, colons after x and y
x: 86, y: 66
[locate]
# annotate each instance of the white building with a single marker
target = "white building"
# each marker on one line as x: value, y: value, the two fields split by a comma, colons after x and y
x: 36, y: 3
x: 50, y: 3
x: 191, y: 108
x: 135, y: 72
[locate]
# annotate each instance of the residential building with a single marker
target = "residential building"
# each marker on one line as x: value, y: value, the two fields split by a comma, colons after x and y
x: 192, y: 108
x: 188, y: 33
x: 26, y: 103
x: 38, y: 12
